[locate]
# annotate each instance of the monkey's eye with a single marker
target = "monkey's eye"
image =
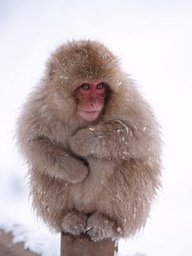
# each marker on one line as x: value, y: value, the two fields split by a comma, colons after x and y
x: 100, y: 86
x: 85, y: 86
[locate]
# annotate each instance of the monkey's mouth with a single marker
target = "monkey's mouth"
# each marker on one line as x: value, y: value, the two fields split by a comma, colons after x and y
x: 89, y: 115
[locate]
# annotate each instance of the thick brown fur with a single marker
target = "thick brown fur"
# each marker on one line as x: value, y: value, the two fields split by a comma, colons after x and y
x: 97, y: 178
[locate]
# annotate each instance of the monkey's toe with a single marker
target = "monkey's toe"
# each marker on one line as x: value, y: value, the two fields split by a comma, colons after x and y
x: 99, y: 227
x: 74, y: 223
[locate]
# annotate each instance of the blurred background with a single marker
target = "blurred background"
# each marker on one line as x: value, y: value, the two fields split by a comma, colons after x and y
x: 153, y: 40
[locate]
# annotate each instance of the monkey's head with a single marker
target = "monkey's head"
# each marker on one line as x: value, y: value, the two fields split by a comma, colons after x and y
x: 85, y: 72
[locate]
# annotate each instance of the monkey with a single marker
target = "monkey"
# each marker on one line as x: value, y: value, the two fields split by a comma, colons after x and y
x: 92, y: 144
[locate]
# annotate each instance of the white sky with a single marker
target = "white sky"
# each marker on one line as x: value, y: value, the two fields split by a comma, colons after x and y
x: 153, y: 40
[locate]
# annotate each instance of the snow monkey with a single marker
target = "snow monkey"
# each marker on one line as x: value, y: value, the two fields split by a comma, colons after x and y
x: 92, y: 144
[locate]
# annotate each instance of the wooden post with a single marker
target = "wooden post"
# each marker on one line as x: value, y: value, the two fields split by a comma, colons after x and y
x: 84, y: 246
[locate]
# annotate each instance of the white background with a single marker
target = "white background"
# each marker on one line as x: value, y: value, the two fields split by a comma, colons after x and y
x: 153, y: 40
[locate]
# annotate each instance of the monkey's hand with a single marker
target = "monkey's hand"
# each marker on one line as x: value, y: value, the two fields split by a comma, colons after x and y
x: 84, y: 141
x: 71, y: 169
x: 110, y: 140
x: 57, y: 162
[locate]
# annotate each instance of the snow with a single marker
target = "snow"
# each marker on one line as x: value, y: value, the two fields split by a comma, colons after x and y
x: 153, y: 40
x: 44, y: 244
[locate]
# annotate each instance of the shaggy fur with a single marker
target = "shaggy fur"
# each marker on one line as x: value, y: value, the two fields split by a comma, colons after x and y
x: 97, y: 178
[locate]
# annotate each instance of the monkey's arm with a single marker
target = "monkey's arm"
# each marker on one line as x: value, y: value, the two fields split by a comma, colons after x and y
x: 52, y: 159
x: 114, y: 139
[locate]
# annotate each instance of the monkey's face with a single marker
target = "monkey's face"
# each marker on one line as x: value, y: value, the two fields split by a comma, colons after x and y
x: 86, y: 70
x: 90, y: 99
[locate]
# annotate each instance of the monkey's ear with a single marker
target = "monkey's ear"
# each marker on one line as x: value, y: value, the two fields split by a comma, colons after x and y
x: 51, y: 70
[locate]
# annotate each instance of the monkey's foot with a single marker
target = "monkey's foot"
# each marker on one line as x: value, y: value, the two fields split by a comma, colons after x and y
x: 74, y: 223
x: 100, y: 227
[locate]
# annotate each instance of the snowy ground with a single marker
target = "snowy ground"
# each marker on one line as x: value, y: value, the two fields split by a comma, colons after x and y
x: 153, y: 39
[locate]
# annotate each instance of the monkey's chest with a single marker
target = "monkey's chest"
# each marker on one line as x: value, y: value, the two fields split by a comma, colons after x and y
x: 88, y: 195
x: 84, y: 199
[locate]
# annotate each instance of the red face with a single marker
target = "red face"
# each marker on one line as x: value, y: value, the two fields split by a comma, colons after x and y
x: 91, y: 100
